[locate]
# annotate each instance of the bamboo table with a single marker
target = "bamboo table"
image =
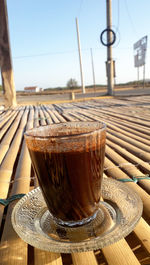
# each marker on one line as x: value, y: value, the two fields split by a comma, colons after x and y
x: 127, y: 157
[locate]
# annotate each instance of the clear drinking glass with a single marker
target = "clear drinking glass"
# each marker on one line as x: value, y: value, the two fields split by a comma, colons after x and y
x: 68, y: 159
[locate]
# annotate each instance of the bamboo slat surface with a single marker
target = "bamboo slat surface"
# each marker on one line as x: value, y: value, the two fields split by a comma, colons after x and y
x: 127, y: 156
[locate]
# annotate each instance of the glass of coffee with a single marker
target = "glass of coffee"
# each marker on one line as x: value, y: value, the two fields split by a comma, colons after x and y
x: 68, y: 159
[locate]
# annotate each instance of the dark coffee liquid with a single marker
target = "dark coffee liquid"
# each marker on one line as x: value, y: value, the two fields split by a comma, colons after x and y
x: 70, y: 181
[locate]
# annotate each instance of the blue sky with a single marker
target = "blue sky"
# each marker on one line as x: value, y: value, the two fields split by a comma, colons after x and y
x: 44, y: 40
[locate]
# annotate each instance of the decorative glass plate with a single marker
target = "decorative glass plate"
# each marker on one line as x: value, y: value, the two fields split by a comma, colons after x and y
x: 116, y: 218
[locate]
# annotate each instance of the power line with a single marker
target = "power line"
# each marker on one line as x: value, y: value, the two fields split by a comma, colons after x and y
x: 80, y: 8
x: 118, y: 15
x: 42, y: 54
x: 48, y: 53
x: 64, y: 52
x: 130, y: 18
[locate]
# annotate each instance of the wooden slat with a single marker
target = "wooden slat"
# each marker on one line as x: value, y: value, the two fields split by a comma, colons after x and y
x: 131, y: 148
x: 13, y: 250
x: 12, y: 246
x: 45, y: 258
x: 4, y: 113
x: 36, y: 118
x: 4, y: 146
x: 53, y: 117
x: 71, y: 117
x: 145, y: 167
x: 127, y: 118
x: 59, y: 117
x: 110, y: 122
x: 47, y: 116
x: 7, y: 123
x: 117, y: 173
x: 42, y: 117
x: 130, y: 170
x: 130, y: 140
x: 6, y: 116
x: 120, y: 254
x: 83, y: 258
x: 136, y: 137
x: 106, y: 116
x: 127, y: 127
x: 142, y: 231
x: 7, y: 165
x: 79, y: 117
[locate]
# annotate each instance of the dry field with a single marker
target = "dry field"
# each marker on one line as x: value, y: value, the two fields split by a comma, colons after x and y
x: 55, y: 96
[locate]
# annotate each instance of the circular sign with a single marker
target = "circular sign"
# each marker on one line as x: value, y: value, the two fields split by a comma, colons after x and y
x: 113, y: 37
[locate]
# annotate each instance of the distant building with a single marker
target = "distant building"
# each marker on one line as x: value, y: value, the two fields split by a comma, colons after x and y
x: 33, y: 89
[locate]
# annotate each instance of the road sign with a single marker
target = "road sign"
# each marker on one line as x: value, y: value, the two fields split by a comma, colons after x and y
x: 140, y: 48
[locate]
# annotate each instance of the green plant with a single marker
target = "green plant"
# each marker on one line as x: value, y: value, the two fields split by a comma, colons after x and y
x: 72, y: 83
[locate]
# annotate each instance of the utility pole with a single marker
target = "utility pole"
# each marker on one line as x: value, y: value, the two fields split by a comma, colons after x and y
x: 5, y: 58
x: 110, y: 72
x: 80, y: 58
x: 93, y: 72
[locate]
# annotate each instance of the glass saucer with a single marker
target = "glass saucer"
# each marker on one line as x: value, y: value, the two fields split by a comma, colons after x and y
x: 116, y: 218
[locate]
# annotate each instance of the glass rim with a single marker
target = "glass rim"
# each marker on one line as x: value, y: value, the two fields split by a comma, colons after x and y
x: 42, y: 137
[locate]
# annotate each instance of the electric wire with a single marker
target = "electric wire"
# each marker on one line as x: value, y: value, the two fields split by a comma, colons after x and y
x: 43, y: 54
x: 80, y: 8
x: 116, y: 29
x: 130, y: 18
x: 118, y: 15
x: 63, y: 52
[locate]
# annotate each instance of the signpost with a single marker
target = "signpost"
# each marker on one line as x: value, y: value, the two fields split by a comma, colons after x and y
x: 140, y: 48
